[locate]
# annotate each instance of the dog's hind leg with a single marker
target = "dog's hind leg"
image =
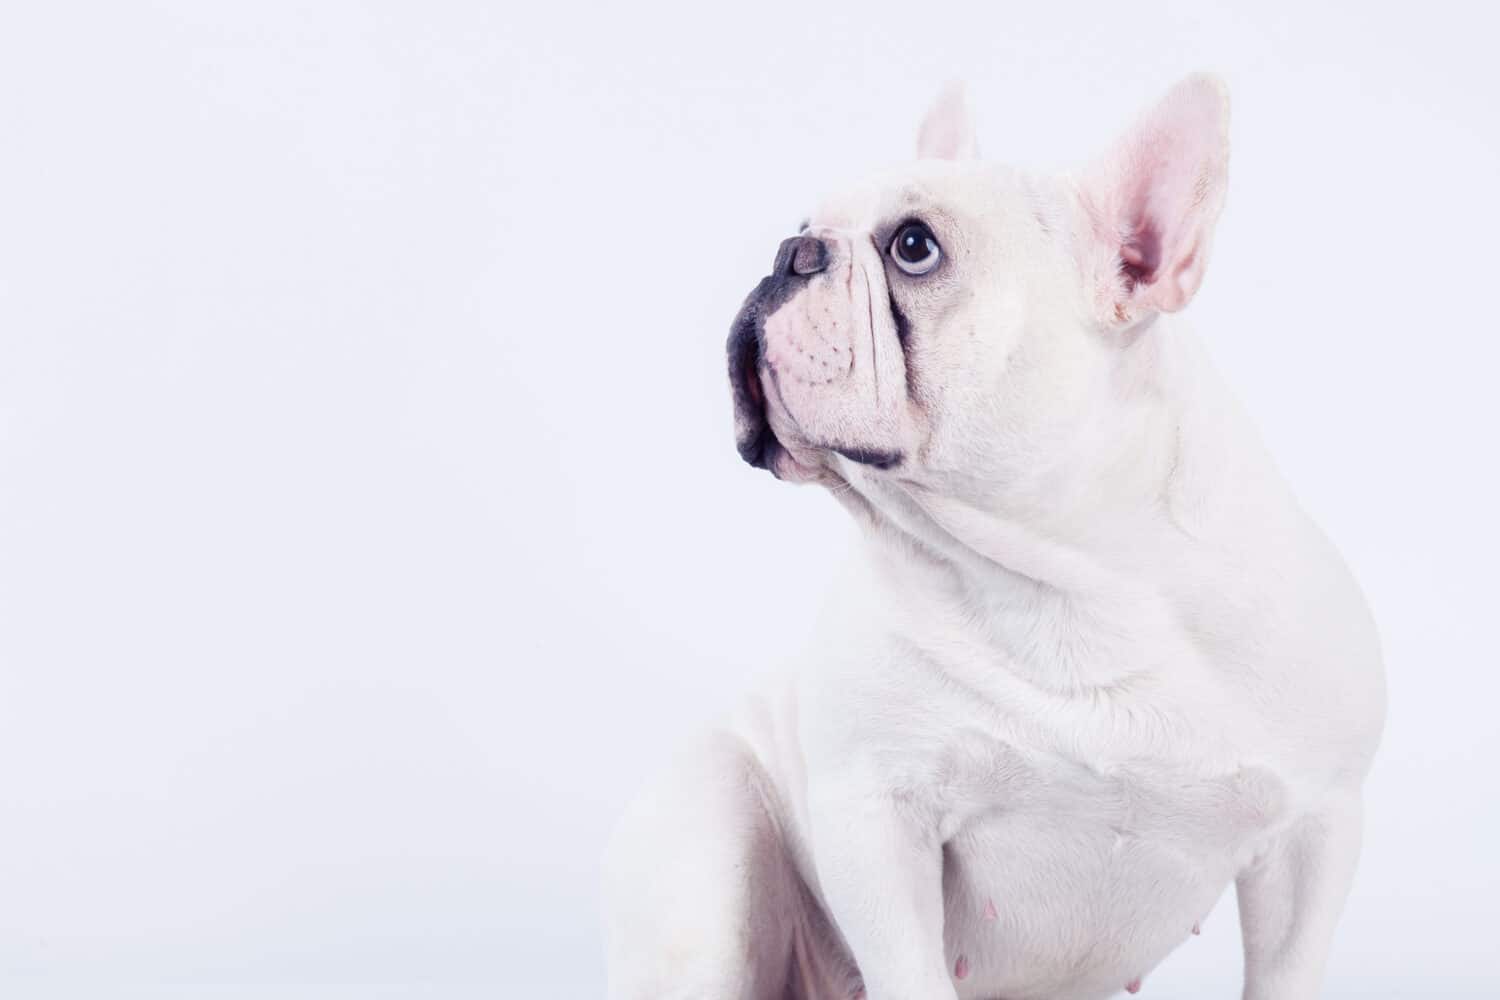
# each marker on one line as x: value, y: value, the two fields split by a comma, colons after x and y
x: 700, y: 901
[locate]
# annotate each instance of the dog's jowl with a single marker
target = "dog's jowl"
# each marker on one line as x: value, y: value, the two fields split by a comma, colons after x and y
x: 1090, y: 665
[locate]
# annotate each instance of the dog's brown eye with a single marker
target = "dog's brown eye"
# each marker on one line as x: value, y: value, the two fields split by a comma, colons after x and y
x: 915, y: 250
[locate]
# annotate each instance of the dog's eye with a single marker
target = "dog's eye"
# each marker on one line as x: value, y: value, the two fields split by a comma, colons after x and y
x: 915, y: 250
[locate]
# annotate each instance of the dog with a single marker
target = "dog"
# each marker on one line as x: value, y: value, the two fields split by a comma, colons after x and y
x: 1091, y: 662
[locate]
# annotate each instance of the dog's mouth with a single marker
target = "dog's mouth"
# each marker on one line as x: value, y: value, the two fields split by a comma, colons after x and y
x: 754, y: 439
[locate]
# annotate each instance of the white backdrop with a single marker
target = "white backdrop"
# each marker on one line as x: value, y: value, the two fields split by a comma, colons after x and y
x: 370, y: 523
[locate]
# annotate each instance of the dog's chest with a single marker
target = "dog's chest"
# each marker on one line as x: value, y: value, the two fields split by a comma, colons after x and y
x: 1078, y: 879
x: 1085, y: 832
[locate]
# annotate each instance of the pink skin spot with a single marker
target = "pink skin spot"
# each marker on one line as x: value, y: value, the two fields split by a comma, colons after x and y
x: 1132, y: 256
x: 1197, y: 929
x: 961, y: 967
x: 990, y: 913
x: 1134, y: 986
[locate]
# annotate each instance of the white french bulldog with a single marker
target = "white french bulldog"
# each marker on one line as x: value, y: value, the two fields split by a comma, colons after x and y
x: 1092, y: 661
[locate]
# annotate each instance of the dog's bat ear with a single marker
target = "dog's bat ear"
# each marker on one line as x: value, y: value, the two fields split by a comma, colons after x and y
x: 1151, y: 203
x: 947, y: 131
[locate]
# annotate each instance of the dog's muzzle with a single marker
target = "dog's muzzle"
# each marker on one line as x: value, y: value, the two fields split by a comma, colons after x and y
x: 797, y: 259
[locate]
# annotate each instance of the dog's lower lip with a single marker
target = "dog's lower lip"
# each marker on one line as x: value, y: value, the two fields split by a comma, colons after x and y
x: 759, y: 450
x: 758, y: 445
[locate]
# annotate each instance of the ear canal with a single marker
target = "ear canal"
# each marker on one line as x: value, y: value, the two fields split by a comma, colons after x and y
x: 947, y: 130
x: 1152, y: 201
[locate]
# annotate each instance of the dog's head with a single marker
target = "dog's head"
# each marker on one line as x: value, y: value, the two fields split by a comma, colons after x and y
x: 960, y: 328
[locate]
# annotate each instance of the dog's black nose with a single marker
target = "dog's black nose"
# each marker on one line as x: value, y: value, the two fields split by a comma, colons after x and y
x: 801, y: 255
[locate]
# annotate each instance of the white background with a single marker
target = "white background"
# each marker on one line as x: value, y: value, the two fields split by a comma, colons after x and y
x: 370, y: 524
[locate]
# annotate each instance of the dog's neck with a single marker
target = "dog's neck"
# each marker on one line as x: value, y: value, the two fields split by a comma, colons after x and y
x: 1068, y: 591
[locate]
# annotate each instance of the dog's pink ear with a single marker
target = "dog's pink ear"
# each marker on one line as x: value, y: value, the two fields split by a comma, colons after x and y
x: 1151, y: 203
x: 947, y: 131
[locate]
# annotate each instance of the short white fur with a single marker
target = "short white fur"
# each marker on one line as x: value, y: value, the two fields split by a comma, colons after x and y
x: 1091, y: 663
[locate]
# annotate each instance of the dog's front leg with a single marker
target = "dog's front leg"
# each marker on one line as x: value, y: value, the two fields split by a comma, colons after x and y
x: 881, y: 871
x: 1290, y: 901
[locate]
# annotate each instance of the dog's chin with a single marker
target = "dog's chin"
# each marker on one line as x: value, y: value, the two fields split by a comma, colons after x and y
x: 764, y: 450
x: 794, y: 460
x: 790, y: 467
x: 768, y: 438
